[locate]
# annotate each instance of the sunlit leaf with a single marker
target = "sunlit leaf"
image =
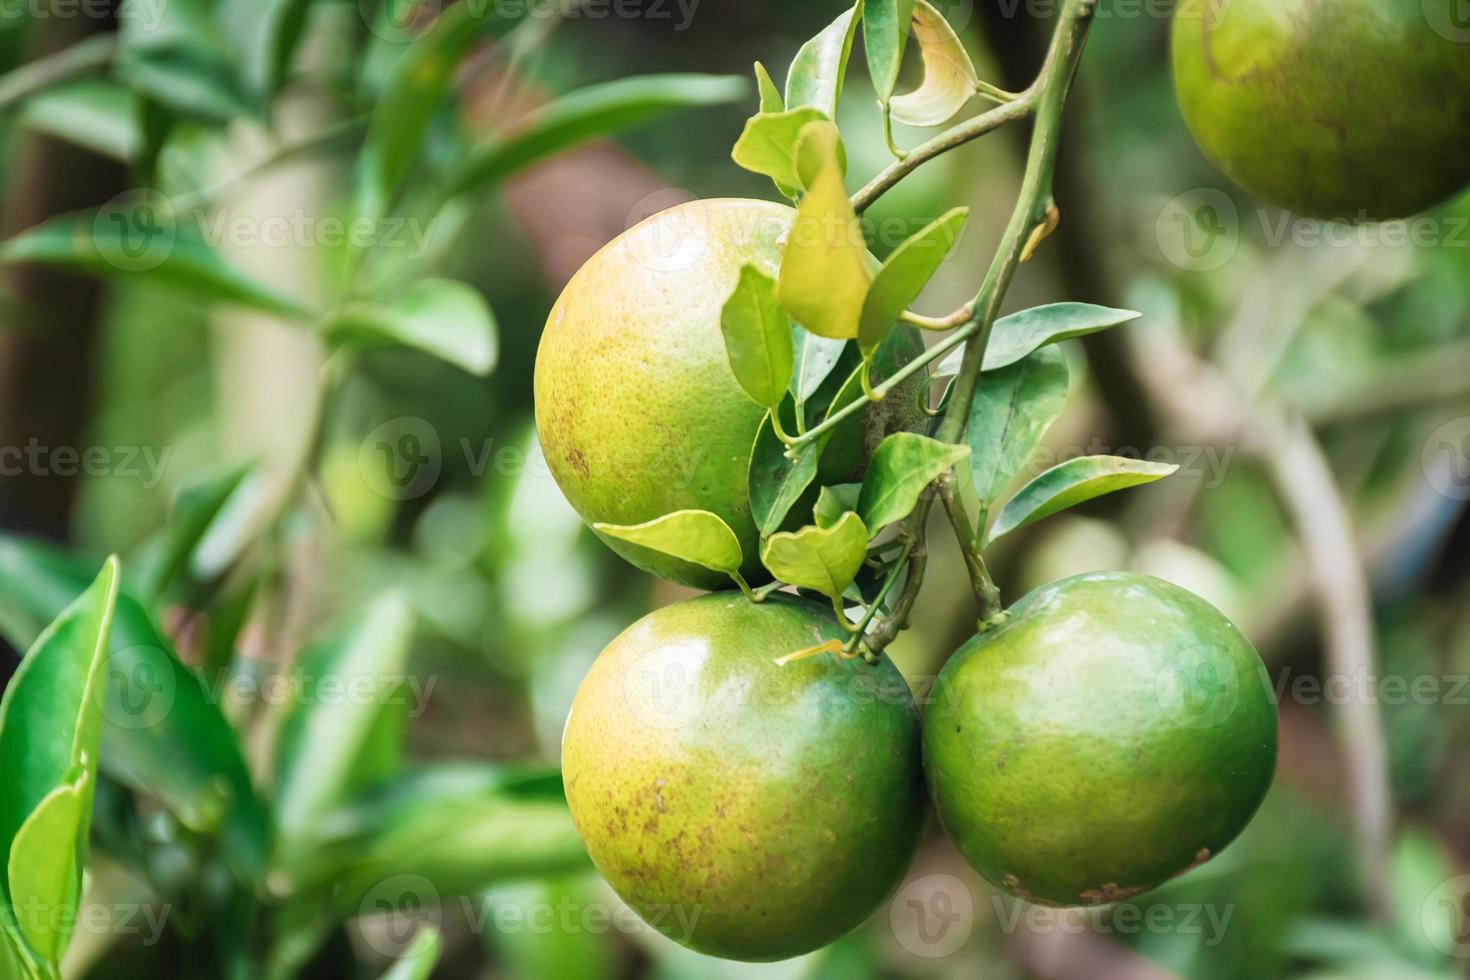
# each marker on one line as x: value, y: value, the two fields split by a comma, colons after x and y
x: 885, y: 35
x: 902, y: 466
x: 96, y: 113
x: 820, y: 67
x: 45, y: 866
x: 757, y: 336
x: 767, y: 145
x: 771, y: 100
x: 588, y: 113
x: 419, y: 960
x: 1011, y: 411
x: 823, y: 559
x: 825, y: 268
x: 905, y: 273
x: 1013, y: 337
x: 1071, y: 483
x: 442, y: 317
x: 834, y: 501
x: 950, y: 79
x: 690, y: 535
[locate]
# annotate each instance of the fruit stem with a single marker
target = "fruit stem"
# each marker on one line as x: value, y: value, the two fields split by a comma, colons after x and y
x: 986, y: 593
x: 898, y: 153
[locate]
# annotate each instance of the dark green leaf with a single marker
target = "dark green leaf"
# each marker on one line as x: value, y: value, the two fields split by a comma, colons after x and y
x: 777, y: 483
x: 50, y: 728
x: 757, y: 336
x: 767, y: 145
x: 823, y: 559
x: 1012, y: 409
x: 885, y: 35
x: 322, y: 739
x: 815, y: 357
x: 185, y: 80
x: 1069, y: 484
x: 819, y: 68
x: 949, y: 76
x: 1013, y: 337
x: 141, y: 241
x: 265, y: 35
x: 442, y: 317
x: 163, y: 732
x: 902, y: 466
x: 905, y: 273
x: 597, y: 110
x: 690, y: 535
x: 834, y: 501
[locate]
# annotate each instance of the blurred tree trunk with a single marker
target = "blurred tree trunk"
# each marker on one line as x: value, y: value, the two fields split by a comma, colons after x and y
x: 50, y: 340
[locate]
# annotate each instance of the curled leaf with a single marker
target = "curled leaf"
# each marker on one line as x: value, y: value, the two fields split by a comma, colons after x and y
x: 950, y: 79
x: 767, y: 145
x: 825, y: 560
x: 690, y: 535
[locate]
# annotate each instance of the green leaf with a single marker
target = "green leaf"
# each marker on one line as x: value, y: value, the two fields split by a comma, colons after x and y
x: 585, y: 114
x: 50, y: 728
x: 419, y: 960
x: 442, y: 317
x: 1069, y: 484
x: 758, y: 338
x: 905, y: 273
x: 767, y: 145
x: 823, y: 559
x: 834, y: 501
x: 949, y: 76
x: 777, y: 483
x: 815, y: 357
x: 820, y: 66
x: 690, y: 535
x: 1013, y: 337
x: 771, y: 100
x: 902, y: 466
x: 322, y: 738
x: 825, y: 267
x: 163, y: 732
x: 264, y: 35
x: 1012, y: 409
x: 418, y: 86
x: 141, y: 242
x: 885, y: 35
x: 193, y: 512
x: 95, y: 113
x: 45, y: 868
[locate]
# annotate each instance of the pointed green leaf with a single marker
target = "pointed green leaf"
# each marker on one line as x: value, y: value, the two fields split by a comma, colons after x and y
x: 825, y: 560
x: 950, y: 79
x: 771, y: 100
x: 164, y: 734
x: 190, y: 517
x: 1013, y: 337
x: 45, y: 867
x: 1012, y: 409
x: 1069, y: 484
x: 885, y: 35
x: 322, y: 738
x: 905, y: 273
x: 96, y: 113
x: 902, y: 466
x: 50, y: 727
x: 419, y: 960
x: 767, y: 145
x: 264, y: 35
x: 587, y: 113
x: 834, y: 501
x: 758, y: 338
x: 815, y: 357
x: 690, y: 535
x: 777, y: 483
x: 819, y: 68
x: 447, y: 319
x: 825, y: 267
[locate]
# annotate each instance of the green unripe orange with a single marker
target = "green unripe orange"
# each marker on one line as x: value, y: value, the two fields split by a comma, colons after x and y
x: 1114, y: 732
x: 638, y: 411
x: 1330, y: 108
x: 748, y: 810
